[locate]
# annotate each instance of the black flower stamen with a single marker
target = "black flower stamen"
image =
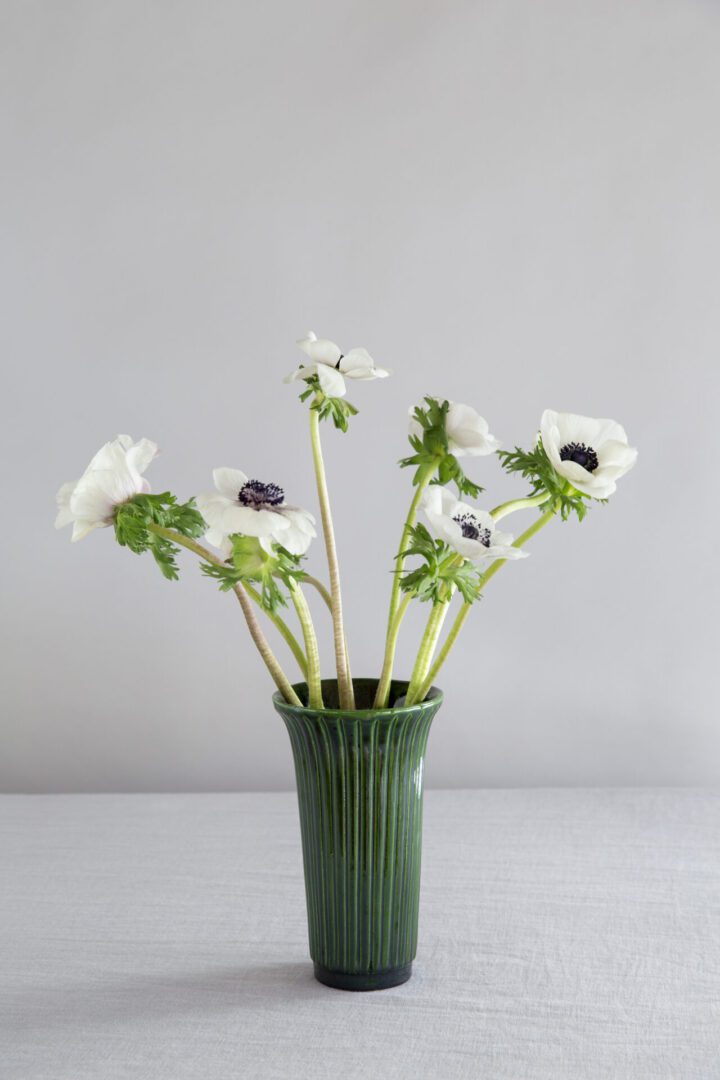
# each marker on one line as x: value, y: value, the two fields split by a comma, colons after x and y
x: 337, y: 366
x: 472, y: 529
x: 257, y: 495
x: 580, y: 454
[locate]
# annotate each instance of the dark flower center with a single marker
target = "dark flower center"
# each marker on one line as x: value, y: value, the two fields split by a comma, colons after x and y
x: 580, y: 454
x: 256, y: 495
x: 337, y: 366
x: 472, y: 529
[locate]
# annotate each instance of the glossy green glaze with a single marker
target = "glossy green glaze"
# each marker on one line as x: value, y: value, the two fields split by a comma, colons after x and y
x: 360, y: 784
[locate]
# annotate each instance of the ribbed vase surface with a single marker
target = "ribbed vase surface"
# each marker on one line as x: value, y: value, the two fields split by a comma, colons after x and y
x: 360, y: 786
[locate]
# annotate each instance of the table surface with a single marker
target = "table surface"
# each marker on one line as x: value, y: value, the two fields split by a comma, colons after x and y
x: 563, y: 933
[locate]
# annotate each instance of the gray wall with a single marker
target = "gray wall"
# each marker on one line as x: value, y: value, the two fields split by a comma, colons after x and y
x: 511, y: 203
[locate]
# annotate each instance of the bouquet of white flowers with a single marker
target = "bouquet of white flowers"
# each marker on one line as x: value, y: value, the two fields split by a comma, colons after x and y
x: 260, y: 540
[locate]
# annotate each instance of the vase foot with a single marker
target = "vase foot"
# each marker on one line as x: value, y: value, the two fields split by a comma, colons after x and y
x: 372, y: 980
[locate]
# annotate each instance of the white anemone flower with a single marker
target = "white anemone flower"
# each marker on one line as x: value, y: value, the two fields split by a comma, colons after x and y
x: 113, y: 476
x: 333, y: 367
x: 591, y: 454
x: 469, y: 531
x: 252, y: 508
x: 468, y: 433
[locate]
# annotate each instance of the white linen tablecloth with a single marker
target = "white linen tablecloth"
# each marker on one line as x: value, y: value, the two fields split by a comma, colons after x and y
x: 563, y: 934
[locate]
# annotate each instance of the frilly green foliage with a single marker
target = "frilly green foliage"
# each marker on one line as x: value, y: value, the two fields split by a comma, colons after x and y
x: 250, y: 562
x: 132, y: 519
x: 534, y: 465
x: 441, y: 570
x: 432, y: 450
x: 328, y: 408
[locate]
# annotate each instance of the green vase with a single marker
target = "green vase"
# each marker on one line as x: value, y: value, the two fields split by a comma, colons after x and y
x: 360, y: 786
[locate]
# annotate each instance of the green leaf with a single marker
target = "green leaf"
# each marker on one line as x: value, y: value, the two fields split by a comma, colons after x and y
x: 534, y: 465
x: 328, y: 408
x: 133, y: 517
x: 432, y: 449
x: 441, y: 571
x: 250, y: 562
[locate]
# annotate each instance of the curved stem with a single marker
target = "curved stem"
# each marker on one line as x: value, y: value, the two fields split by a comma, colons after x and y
x: 316, y: 584
x: 315, y: 700
x: 282, y: 628
x: 427, y: 650
x: 519, y: 504
x: 345, y: 688
x: 186, y: 542
x: 383, y: 689
x: 465, y: 609
x: 328, y: 600
x: 261, y: 643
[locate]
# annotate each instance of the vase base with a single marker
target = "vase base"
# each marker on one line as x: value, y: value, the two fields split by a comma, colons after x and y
x: 371, y: 980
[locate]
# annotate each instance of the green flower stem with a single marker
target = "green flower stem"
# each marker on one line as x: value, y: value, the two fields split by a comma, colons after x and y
x: 427, y: 650
x: 278, y: 675
x: 315, y: 699
x: 345, y: 688
x: 383, y: 690
x: 320, y: 588
x: 465, y: 609
x: 282, y: 627
x: 328, y: 601
x: 519, y: 504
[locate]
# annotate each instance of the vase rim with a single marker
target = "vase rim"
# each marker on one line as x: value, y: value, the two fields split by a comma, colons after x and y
x: 399, y: 686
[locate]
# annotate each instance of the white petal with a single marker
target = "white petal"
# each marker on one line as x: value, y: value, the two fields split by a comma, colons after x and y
x: 96, y: 495
x: 331, y: 381
x: 603, y: 491
x: 113, y: 455
x: 574, y: 472
x: 597, y: 487
x: 550, y: 436
x: 212, y: 507
x: 82, y: 528
x: 484, y: 518
x: 357, y: 360
x: 300, y: 519
x: 358, y: 364
x: 610, y: 431
x: 212, y: 502
x: 305, y: 371
x: 141, y: 454
x: 574, y: 428
x: 617, y: 455
x: 249, y: 522
x: 467, y: 547
x: 229, y: 481
x: 432, y: 499
x: 218, y: 540
x: 321, y: 350
x: 65, y: 514
x: 468, y: 432
x: 455, y: 508
x: 501, y: 539
x: 296, y: 539
x: 509, y: 553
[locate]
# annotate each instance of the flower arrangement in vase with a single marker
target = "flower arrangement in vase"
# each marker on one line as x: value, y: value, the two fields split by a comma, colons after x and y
x: 358, y: 744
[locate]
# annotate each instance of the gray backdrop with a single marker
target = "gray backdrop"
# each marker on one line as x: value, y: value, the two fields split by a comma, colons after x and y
x: 514, y: 204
